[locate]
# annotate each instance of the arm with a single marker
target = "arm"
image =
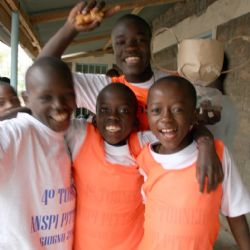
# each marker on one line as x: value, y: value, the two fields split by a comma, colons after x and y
x: 13, y: 113
x: 65, y: 35
x: 208, y: 162
x: 240, y: 230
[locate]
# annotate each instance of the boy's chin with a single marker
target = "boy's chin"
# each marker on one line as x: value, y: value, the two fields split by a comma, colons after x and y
x: 60, y: 127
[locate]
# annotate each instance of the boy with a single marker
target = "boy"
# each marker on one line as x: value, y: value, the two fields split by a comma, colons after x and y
x: 37, y: 199
x: 177, y: 216
x: 109, y: 204
x: 131, y: 38
x: 8, y: 97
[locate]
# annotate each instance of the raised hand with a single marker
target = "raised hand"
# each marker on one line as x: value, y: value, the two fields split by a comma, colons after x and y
x: 86, y: 16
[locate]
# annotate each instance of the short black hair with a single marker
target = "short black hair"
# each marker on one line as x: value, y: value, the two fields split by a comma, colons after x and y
x: 180, y: 81
x: 136, y: 19
x: 5, y: 79
x: 49, y: 63
x: 117, y: 86
x: 5, y: 82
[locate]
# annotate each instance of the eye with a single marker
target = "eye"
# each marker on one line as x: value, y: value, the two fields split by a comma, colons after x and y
x: 103, y: 110
x: 45, y: 98
x: 141, y: 40
x: 15, y: 100
x: 120, y: 42
x: 2, y: 103
x: 69, y: 96
x: 176, y: 110
x: 124, y: 111
x: 155, y: 111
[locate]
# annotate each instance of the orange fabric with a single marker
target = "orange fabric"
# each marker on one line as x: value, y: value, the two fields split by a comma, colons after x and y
x: 141, y: 94
x: 177, y: 215
x: 109, y: 213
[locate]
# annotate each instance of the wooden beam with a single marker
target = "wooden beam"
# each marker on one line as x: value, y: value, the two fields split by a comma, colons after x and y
x: 125, y: 5
x: 90, y: 39
x: 5, y: 20
x: 24, y: 22
x: 87, y: 54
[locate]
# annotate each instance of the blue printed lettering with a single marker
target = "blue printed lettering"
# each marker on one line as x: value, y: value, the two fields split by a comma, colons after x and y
x: 45, y: 222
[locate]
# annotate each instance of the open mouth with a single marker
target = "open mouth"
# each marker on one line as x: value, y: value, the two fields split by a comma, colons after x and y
x: 60, y: 117
x: 131, y: 60
x: 113, y: 128
x: 168, y: 133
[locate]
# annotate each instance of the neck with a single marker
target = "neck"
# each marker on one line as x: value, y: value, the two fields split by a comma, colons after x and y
x: 139, y: 78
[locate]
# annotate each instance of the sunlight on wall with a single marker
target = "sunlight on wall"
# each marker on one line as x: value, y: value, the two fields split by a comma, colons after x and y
x: 23, y: 63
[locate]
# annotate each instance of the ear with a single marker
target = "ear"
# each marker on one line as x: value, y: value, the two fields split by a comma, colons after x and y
x: 24, y: 95
x: 94, y: 121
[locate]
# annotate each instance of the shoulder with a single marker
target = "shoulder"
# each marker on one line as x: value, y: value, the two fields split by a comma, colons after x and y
x: 159, y: 74
x: 94, y: 78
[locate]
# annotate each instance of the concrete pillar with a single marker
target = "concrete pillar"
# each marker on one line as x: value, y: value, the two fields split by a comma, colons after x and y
x: 14, y: 48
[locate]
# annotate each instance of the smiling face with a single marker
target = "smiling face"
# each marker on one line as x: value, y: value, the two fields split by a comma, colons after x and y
x: 116, y: 113
x: 131, y: 43
x: 8, y: 98
x: 51, y: 96
x: 171, y: 114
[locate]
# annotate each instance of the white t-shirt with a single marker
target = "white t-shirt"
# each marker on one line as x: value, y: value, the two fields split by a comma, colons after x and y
x: 88, y: 86
x: 235, y: 199
x: 76, y: 135
x: 37, y: 199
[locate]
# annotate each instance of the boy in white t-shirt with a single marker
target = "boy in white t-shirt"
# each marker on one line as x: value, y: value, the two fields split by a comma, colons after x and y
x: 177, y: 216
x: 37, y: 199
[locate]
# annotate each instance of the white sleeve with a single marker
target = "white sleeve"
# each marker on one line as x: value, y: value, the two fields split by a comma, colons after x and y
x: 9, y: 144
x: 236, y: 198
x: 87, y: 87
x: 146, y: 137
x: 75, y: 136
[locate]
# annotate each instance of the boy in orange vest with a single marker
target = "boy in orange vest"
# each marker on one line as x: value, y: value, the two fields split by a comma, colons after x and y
x: 110, y: 211
x: 131, y: 39
x: 177, y: 215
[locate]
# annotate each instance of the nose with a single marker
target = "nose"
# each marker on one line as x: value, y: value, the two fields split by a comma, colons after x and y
x: 131, y: 44
x: 58, y: 103
x: 167, y: 115
x: 114, y: 114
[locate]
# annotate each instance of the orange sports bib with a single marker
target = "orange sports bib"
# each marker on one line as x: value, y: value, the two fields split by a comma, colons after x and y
x: 141, y: 95
x: 109, y: 213
x: 177, y: 215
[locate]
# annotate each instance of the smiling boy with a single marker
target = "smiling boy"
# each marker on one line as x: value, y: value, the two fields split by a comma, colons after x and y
x: 37, y: 199
x: 177, y: 216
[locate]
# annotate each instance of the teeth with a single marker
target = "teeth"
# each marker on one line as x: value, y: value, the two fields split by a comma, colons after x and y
x: 112, y: 128
x: 132, y: 59
x: 168, y: 130
x: 60, y: 117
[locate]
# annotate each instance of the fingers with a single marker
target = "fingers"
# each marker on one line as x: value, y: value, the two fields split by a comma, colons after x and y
x: 76, y: 10
x: 111, y: 11
x: 89, y: 7
x: 201, y: 179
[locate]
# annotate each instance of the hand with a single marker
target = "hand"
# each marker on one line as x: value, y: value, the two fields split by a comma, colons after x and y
x: 208, y: 116
x: 208, y: 165
x: 92, y: 9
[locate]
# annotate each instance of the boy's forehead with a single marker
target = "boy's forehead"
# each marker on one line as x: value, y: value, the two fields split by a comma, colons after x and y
x: 129, y: 25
